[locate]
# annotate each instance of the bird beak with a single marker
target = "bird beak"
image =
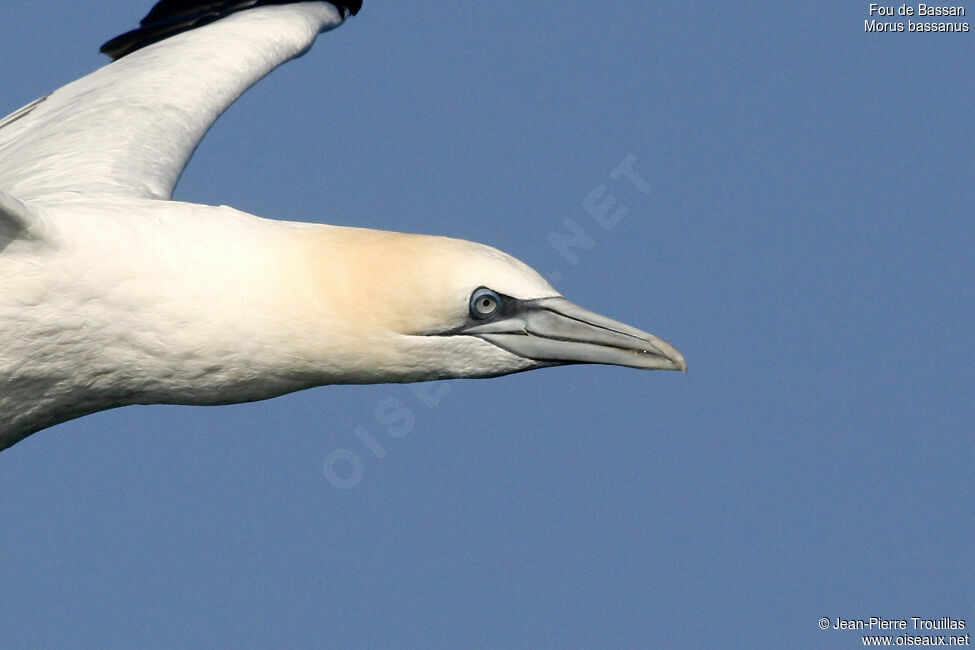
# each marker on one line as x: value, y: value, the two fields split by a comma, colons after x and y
x: 554, y: 330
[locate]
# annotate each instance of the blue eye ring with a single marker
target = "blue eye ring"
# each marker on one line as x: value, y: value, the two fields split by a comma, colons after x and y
x: 484, y: 303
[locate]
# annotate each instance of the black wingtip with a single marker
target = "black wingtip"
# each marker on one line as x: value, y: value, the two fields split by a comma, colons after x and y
x: 170, y: 17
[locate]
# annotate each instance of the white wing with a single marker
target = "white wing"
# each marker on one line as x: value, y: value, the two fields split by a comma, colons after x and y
x: 16, y: 219
x: 129, y: 128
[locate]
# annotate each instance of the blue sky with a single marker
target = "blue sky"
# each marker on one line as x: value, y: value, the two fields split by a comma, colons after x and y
x: 805, y: 237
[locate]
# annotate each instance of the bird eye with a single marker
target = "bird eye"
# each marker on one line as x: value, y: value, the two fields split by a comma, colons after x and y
x: 484, y: 302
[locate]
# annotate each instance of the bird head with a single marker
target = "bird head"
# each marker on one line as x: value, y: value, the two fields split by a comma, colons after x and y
x: 424, y: 307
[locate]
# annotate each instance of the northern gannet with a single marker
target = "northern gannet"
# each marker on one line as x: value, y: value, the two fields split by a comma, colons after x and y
x: 113, y: 294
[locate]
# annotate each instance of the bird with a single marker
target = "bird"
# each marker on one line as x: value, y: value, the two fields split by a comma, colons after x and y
x: 114, y: 294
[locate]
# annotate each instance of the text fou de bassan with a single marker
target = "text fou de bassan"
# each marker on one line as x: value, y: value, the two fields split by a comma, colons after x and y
x: 889, y: 18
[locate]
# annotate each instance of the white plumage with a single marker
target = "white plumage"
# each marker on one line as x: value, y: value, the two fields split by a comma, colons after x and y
x: 113, y: 294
